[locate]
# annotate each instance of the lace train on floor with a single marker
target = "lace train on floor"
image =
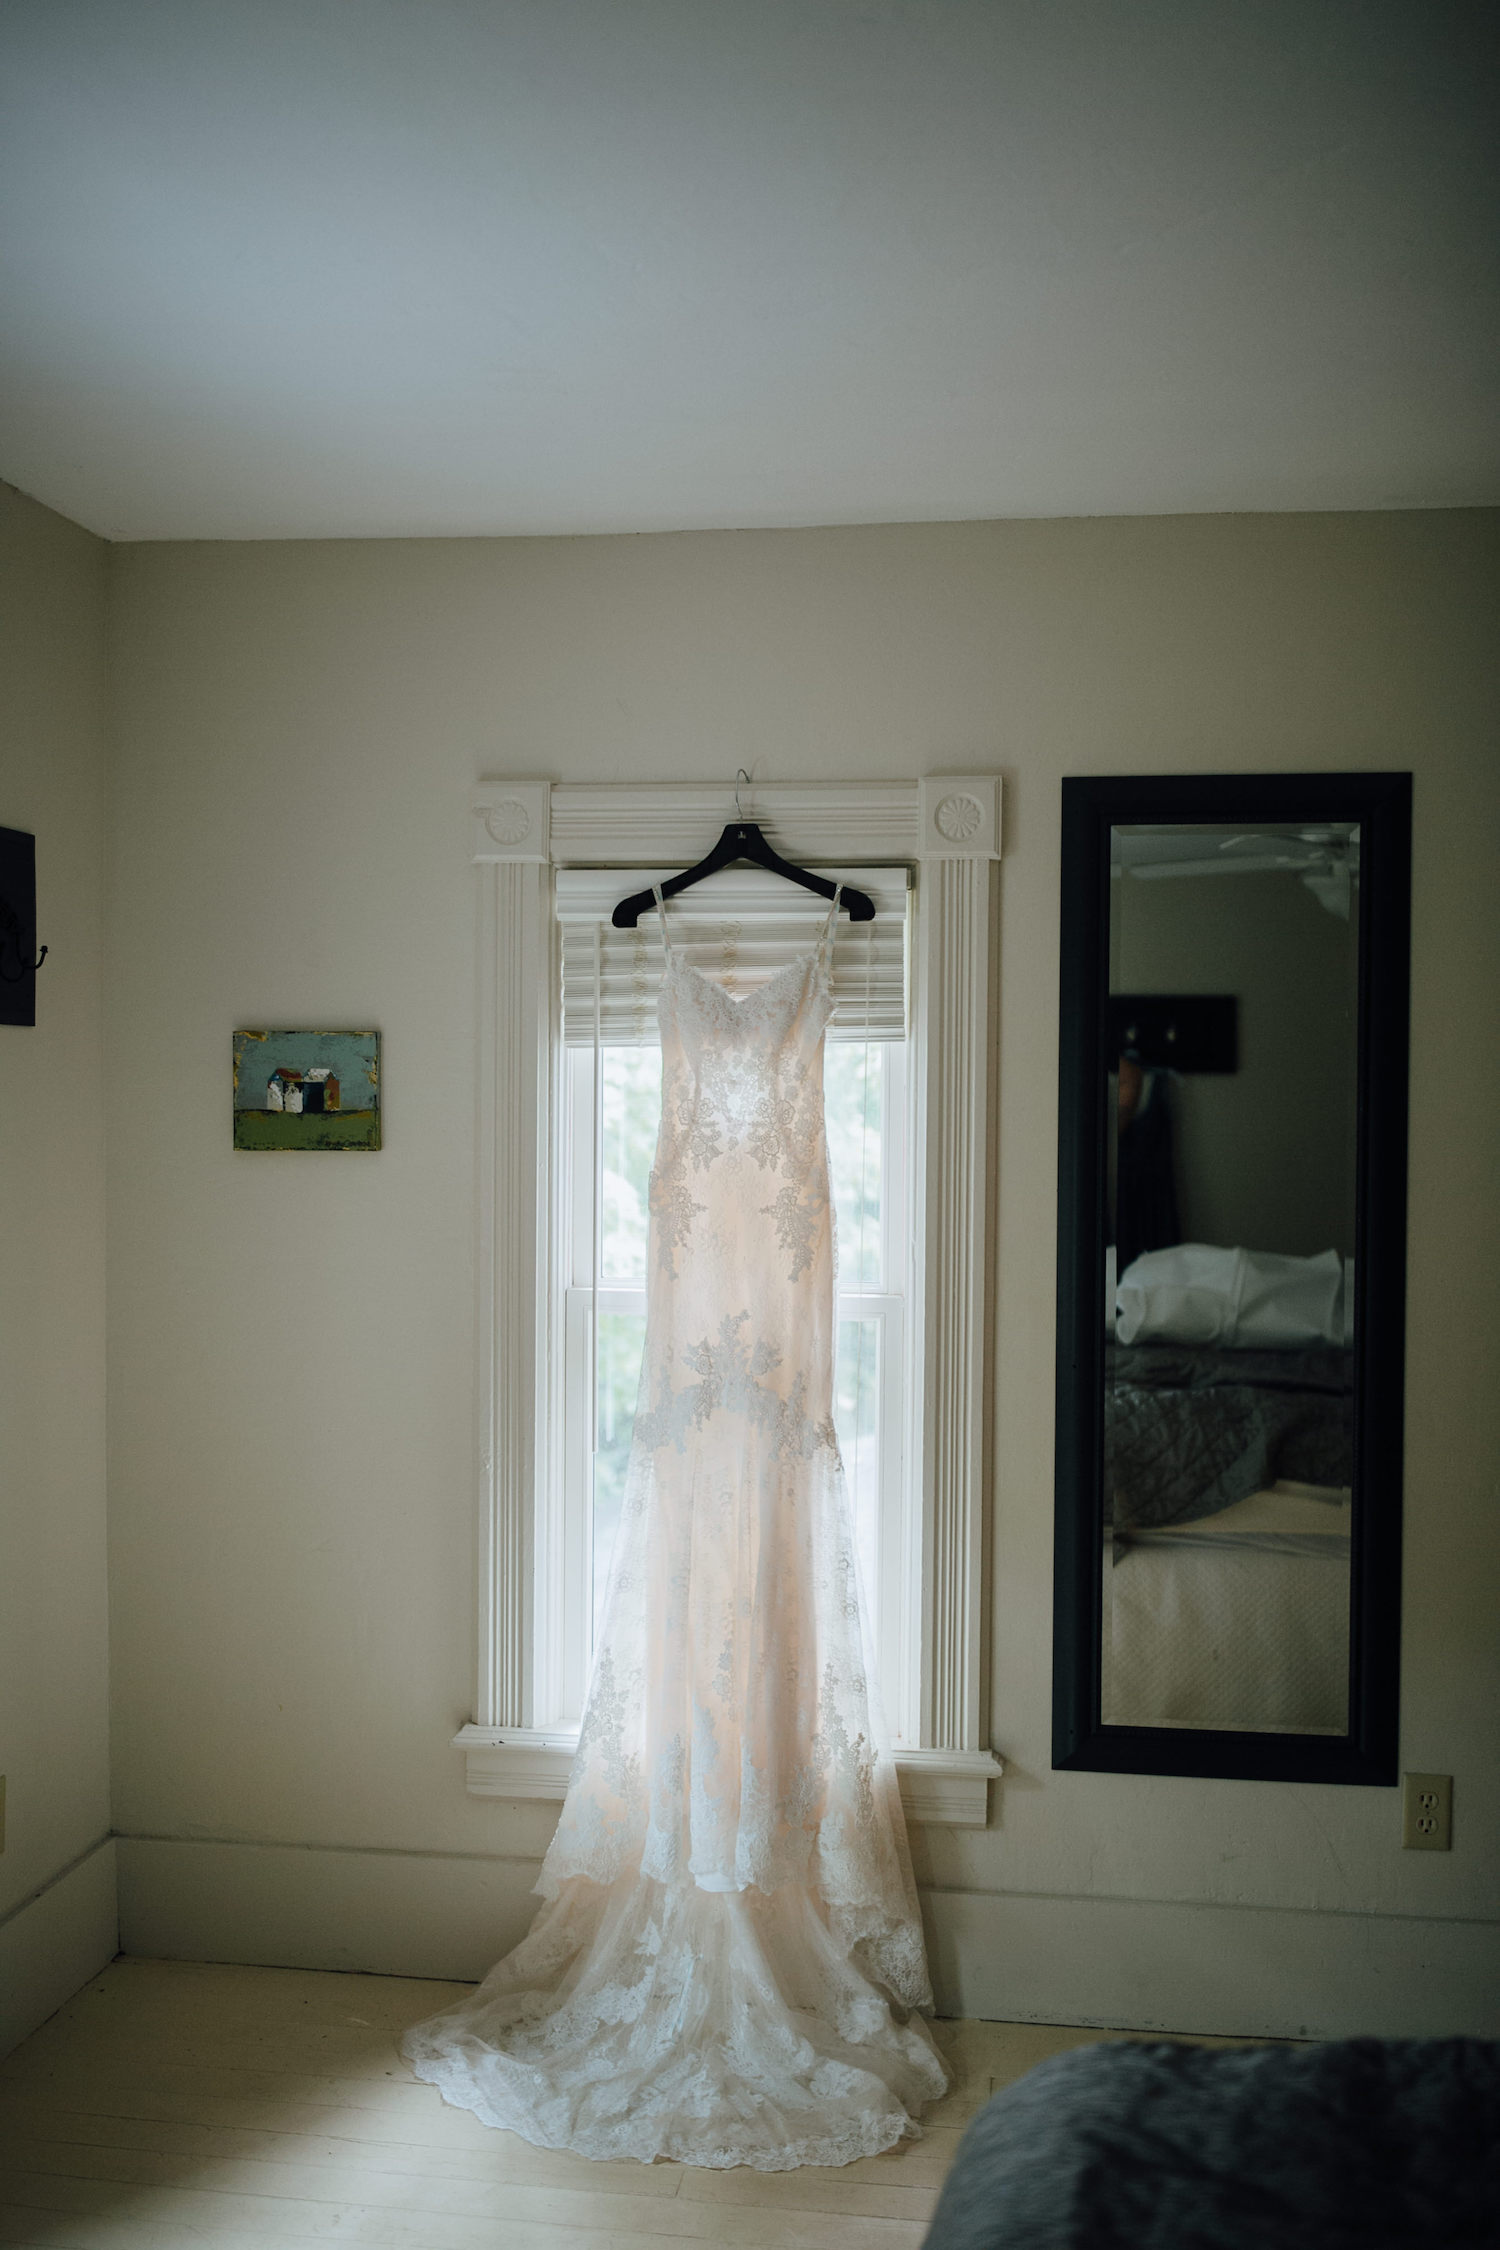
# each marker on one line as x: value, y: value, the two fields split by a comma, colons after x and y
x: 711, y: 2027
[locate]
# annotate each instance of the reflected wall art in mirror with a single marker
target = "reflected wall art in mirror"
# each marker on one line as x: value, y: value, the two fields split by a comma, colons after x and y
x: 1231, y: 1263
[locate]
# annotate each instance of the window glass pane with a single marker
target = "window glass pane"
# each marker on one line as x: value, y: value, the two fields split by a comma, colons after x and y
x: 622, y: 1337
x: 631, y: 1078
x: 856, y: 1416
x: 853, y: 1092
x: 854, y: 1084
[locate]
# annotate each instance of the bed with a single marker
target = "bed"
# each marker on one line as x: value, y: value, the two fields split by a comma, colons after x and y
x: 1359, y: 2144
x: 1228, y: 1475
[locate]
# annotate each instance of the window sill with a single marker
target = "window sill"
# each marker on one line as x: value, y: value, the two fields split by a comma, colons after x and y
x: 942, y: 1788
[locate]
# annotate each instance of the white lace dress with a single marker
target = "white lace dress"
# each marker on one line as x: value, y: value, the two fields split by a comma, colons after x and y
x: 728, y: 1960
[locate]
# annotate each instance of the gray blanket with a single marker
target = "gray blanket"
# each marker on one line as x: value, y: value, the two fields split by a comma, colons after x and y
x: 1189, y: 1430
x: 1363, y: 2144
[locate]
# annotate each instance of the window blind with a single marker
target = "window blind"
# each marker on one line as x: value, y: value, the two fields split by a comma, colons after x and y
x: 738, y: 927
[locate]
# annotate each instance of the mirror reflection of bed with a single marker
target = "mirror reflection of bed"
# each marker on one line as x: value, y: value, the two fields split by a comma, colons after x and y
x: 1229, y: 1284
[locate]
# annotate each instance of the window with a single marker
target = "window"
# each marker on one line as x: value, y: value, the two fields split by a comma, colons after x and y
x: 563, y: 1161
x: 740, y: 927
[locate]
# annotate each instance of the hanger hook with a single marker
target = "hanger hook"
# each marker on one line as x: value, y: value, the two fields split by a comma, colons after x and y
x: 741, y: 775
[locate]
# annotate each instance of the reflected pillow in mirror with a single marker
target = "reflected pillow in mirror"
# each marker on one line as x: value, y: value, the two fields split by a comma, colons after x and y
x: 1198, y: 1293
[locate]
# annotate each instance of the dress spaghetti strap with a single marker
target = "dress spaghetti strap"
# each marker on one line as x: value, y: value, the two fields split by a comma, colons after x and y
x: 661, y: 910
x: 823, y: 956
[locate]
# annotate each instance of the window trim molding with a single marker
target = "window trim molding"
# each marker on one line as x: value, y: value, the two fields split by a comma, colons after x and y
x: 947, y: 827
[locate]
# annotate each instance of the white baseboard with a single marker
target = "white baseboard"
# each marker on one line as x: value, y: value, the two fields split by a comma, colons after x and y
x: 1129, y: 1964
x: 1251, y: 1971
x: 291, y: 1906
x: 56, y: 1942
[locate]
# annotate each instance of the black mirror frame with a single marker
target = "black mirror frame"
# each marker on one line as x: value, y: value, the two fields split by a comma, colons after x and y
x: 1381, y: 803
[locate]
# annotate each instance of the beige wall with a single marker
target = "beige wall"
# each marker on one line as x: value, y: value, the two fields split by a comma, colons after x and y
x: 291, y: 1341
x: 56, y: 1914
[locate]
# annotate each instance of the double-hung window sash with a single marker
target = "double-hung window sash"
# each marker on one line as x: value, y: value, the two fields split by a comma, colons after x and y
x: 739, y: 927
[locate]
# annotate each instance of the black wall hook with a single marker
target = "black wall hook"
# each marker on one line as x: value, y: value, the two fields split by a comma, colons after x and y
x: 11, y: 945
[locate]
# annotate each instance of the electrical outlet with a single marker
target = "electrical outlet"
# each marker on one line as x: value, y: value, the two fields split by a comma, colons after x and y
x: 1427, y: 1812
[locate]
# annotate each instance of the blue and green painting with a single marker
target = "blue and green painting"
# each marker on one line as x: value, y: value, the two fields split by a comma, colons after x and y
x: 307, y: 1089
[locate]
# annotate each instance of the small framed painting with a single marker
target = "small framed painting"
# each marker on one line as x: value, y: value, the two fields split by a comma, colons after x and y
x: 307, y: 1089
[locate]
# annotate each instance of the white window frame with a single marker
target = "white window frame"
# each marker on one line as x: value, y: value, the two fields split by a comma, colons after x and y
x: 947, y: 828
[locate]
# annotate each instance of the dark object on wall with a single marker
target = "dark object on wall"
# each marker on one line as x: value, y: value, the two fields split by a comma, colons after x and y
x: 19, y: 958
x: 1089, y: 1588
x: 1146, y: 1179
x: 1190, y: 1031
x: 1362, y: 2144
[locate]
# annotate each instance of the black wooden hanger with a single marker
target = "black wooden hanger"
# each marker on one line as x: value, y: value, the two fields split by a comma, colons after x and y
x: 743, y: 840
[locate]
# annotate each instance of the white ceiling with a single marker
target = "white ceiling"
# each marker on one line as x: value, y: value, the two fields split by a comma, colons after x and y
x: 309, y: 267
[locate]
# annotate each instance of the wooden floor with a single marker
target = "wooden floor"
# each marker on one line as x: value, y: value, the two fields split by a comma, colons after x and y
x: 171, y: 2104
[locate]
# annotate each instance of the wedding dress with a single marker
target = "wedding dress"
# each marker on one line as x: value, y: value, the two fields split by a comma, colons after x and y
x: 728, y: 1962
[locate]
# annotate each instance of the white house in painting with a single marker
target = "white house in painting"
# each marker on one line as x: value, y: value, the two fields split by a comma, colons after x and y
x: 298, y: 1090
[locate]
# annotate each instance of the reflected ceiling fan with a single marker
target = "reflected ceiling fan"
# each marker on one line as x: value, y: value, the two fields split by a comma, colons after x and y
x: 1326, y: 857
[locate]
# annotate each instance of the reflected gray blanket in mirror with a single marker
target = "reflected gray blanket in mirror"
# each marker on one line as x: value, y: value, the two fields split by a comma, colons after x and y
x: 1362, y: 2144
x: 1190, y: 1429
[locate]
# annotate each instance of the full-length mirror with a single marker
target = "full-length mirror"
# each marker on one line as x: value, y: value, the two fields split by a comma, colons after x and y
x: 1230, y: 1281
